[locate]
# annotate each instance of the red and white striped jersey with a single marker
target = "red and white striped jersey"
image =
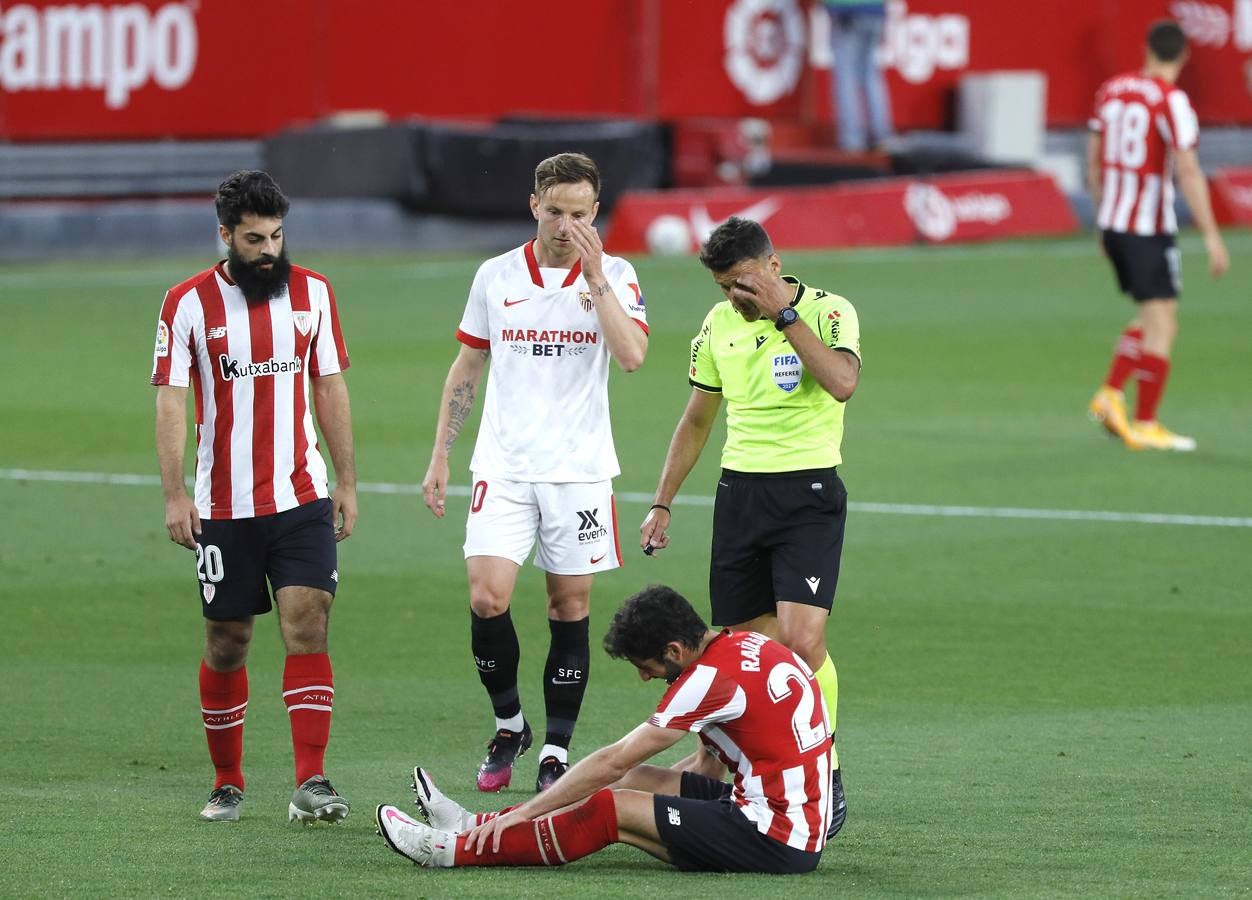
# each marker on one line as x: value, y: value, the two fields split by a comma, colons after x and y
x: 756, y: 704
x: 1140, y: 120
x: 256, y: 450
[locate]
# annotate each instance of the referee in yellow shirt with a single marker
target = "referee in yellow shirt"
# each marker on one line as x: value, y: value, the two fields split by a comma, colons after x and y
x: 786, y: 356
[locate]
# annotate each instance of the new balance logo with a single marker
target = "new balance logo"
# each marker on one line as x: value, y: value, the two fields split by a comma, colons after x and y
x: 759, y: 341
x: 674, y: 817
x: 813, y: 583
x: 217, y: 331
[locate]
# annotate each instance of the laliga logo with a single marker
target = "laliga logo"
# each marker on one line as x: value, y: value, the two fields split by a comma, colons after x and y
x: 1242, y: 196
x: 117, y: 49
x: 917, y: 44
x: 936, y: 215
x: 1210, y: 25
x: 765, y: 48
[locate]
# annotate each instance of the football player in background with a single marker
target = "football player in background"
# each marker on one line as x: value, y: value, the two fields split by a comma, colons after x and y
x: 549, y: 315
x: 1143, y: 129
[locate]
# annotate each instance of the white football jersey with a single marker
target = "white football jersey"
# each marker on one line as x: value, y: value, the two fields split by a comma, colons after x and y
x: 546, y: 410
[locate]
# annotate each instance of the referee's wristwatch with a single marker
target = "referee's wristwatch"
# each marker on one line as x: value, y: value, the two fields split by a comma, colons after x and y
x: 788, y: 316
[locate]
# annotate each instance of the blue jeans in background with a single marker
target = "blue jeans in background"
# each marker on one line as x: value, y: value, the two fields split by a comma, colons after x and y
x: 854, y: 36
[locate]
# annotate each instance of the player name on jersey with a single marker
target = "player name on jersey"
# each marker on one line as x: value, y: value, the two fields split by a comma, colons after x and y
x: 1141, y: 120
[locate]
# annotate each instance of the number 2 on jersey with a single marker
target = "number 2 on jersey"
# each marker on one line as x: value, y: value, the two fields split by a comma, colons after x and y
x: 779, y: 683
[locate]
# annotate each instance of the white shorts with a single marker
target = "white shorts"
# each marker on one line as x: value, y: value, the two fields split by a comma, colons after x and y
x: 576, y: 524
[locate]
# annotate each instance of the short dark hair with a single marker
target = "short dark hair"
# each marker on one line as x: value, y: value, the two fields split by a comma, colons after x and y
x: 734, y: 241
x: 651, y: 619
x: 249, y: 191
x: 1166, y: 40
x: 566, y: 168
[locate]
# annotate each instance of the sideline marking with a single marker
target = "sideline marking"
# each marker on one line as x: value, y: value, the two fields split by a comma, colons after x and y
x: 898, y: 509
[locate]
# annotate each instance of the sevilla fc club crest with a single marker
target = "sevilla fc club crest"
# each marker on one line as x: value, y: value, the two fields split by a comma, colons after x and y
x: 303, y: 320
x: 584, y: 300
x: 209, y: 592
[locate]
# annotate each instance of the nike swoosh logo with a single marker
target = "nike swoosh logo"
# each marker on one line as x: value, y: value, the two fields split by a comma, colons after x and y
x: 508, y: 303
x: 702, y: 223
x: 557, y: 681
x: 396, y: 815
x: 596, y: 559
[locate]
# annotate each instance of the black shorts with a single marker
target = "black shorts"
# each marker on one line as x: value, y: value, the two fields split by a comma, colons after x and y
x: 1148, y: 266
x: 235, y: 557
x: 775, y: 537
x: 704, y: 831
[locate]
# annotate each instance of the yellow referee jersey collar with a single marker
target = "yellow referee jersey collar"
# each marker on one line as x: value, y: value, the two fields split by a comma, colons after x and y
x: 791, y: 279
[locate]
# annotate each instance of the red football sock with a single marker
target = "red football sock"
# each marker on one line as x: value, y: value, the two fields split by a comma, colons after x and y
x: 551, y: 840
x: 223, y: 702
x: 1151, y: 372
x: 309, y: 692
x: 479, y: 818
x: 1125, y: 356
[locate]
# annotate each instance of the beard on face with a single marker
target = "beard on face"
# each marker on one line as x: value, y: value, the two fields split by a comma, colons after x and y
x: 672, y: 671
x: 259, y: 285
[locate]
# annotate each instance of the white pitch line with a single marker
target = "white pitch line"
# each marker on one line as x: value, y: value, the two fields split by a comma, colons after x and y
x: 898, y: 509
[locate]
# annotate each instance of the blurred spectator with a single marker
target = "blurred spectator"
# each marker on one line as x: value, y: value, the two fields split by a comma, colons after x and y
x: 856, y: 31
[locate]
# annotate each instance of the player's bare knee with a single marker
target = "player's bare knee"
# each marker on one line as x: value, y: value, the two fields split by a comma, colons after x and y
x: 569, y: 607
x: 226, y: 644
x: 486, y: 603
x: 808, y: 646
x: 305, y: 631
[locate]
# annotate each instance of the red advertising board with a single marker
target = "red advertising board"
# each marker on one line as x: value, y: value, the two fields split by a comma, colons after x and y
x: 201, y: 68
x: 940, y: 209
x: 1232, y: 196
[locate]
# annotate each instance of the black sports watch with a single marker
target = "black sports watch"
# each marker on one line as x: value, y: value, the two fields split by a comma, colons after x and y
x: 788, y: 316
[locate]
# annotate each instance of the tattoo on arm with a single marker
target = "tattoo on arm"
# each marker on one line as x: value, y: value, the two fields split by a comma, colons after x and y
x: 459, y: 406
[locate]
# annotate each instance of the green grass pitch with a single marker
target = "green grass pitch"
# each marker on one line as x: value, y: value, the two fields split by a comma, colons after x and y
x: 1029, y: 706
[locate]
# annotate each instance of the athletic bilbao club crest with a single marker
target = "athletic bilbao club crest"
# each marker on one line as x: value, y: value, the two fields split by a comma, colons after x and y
x: 584, y: 300
x: 210, y: 591
x: 787, y: 371
x: 303, y: 320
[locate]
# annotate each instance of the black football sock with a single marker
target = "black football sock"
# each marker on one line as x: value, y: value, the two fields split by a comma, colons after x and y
x: 496, y: 654
x: 565, y: 679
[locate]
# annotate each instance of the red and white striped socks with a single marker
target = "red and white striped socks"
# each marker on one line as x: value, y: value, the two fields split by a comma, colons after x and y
x: 223, y: 703
x: 551, y: 840
x: 1124, y: 357
x: 1152, y: 372
x: 309, y: 692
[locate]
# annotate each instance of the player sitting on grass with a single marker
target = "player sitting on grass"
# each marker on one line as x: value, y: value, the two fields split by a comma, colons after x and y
x: 753, y: 703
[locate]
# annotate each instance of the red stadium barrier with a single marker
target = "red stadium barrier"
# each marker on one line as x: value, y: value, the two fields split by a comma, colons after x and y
x: 1232, y: 196
x: 237, y: 68
x: 941, y: 209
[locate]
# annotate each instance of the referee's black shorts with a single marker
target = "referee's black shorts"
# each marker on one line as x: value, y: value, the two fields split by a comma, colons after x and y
x: 776, y: 537
x: 1148, y: 266
x: 704, y: 831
